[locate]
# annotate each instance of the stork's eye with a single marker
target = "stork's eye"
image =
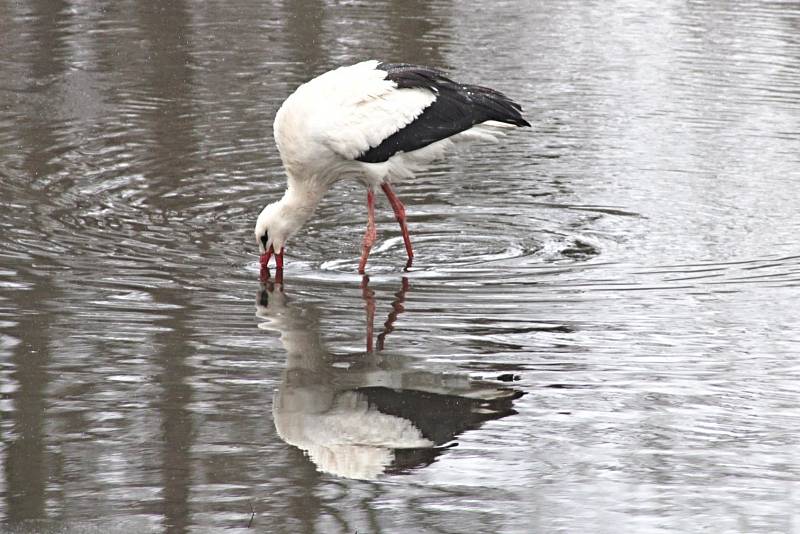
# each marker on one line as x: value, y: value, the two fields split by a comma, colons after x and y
x: 264, y: 239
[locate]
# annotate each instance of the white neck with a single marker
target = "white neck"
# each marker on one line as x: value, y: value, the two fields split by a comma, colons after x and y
x: 302, y: 196
x: 294, y: 209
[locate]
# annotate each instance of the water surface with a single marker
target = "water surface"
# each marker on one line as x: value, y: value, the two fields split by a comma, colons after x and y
x: 600, y: 328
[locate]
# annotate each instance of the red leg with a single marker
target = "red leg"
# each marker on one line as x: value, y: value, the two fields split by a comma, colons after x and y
x: 371, y: 235
x: 400, y: 215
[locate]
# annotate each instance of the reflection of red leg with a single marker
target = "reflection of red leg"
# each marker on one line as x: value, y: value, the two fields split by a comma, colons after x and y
x: 369, y: 303
x: 264, y: 273
x: 400, y: 215
x: 369, y: 237
x: 279, y: 267
x: 397, y: 309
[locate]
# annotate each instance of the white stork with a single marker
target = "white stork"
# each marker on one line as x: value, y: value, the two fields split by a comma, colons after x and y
x: 378, y: 123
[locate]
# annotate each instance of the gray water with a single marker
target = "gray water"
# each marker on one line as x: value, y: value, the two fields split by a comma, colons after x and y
x: 599, y: 334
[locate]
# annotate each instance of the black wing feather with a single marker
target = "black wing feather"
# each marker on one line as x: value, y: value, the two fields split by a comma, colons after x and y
x: 457, y: 107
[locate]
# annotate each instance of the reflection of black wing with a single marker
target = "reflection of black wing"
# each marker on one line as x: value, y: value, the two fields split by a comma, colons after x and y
x: 439, y: 417
x: 457, y: 108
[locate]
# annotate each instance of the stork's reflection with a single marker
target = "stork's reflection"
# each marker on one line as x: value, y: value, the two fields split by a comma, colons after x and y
x: 375, y: 413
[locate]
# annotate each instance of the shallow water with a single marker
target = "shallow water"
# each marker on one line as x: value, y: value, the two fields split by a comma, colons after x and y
x: 600, y: 328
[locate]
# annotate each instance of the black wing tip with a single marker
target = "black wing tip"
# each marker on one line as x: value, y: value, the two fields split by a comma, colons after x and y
x: 521, y: 122
x: 518, y: 120
x: 497, y: 105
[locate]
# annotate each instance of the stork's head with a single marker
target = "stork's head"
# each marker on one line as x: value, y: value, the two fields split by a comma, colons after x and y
x: 271, y: 233
x: 277, y: 223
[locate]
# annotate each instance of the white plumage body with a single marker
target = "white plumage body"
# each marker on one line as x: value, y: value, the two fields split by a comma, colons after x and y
x: 331, y: 126
x: 329, y: 121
